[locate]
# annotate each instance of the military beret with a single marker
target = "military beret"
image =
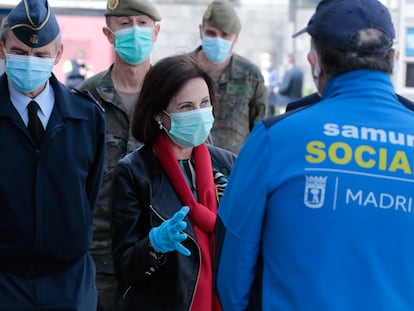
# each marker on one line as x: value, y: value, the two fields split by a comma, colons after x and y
x: 221, y: 14
x: 34, y: 23
x: 132, y: 8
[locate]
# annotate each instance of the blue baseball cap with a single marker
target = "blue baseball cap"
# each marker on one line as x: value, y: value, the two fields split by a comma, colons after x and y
x: 336, y: 22
x: 34, y: 23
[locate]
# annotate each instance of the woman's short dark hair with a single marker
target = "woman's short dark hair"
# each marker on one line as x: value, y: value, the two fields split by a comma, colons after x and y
x: 162, y: 82
x: 337, y: 62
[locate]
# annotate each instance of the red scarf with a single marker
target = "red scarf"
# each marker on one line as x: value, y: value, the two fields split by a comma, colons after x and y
x: 202, y: 213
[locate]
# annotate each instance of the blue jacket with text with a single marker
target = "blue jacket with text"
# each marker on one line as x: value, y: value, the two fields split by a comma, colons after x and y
x: 319, y: 210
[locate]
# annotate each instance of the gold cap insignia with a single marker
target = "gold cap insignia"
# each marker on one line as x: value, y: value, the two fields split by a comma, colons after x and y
x: 208, y: 13
x: 113, y: 4
x: 34, y: 39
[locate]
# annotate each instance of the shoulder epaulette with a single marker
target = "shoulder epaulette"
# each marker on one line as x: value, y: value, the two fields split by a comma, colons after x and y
x: 304, y: 102
x: 406, y: 102
x: 292, y: 107
x: 88, y: 95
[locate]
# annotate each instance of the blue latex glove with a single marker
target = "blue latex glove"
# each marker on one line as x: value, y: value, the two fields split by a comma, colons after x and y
x: 168, y: 236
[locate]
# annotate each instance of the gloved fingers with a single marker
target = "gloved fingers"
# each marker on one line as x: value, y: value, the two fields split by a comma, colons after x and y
x: 174, y: 232
x: 181, y: 249
x: 185, y: 209
x: 176, y: 223
x: 178, y: 216
x: 175, y: 228
x: 179, y: 226
x: 179, y: 236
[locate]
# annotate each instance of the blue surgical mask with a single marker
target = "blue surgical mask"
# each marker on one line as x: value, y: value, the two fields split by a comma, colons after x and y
x: 28, y: 73
x: 134, y: 44
x: 216, y: 49
x: 191, y: 128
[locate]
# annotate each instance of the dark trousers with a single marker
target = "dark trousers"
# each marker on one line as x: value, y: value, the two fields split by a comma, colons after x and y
x: 106, y: 284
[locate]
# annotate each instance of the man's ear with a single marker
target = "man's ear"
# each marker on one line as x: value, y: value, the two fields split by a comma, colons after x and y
x: 313, y: 58
x: 236, y: 38
x: 397, y: 55
x: 396, y: 62
x: 156, y: 31
x: 108, y: 34
x: 314, y: 61
x: 59, y: 54
x: 200, y: 28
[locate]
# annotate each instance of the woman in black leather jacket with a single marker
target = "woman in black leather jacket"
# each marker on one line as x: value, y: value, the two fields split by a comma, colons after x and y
x: 165, y: 194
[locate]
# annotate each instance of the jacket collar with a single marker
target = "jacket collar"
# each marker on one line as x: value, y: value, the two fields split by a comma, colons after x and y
x: 62, y: 100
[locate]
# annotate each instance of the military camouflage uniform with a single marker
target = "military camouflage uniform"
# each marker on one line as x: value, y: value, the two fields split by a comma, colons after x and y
x: 119, y: 142
x: 241, y: 103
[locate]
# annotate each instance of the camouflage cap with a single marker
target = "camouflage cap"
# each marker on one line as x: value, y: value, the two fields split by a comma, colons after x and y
x: 222, y: 15
x: 34, y: 23
x: 132, y: 8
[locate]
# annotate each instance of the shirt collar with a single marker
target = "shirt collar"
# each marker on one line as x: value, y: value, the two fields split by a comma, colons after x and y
x: 45, y: 99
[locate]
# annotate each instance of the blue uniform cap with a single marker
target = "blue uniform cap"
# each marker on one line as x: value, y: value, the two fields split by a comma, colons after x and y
x: 336, y: 22
x: 34, y: 23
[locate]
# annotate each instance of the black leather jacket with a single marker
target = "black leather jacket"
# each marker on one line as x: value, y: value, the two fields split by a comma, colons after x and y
x: 142, y: 198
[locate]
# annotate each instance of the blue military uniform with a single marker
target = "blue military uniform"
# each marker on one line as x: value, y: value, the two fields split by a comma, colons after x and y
x: 47, y: 191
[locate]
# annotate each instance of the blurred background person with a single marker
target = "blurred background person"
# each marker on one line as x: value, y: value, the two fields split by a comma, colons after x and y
x: 271, y: 78
x: 241, y: 90
x: 132, y: 29
x: 291, y: 86
x: 76, y: 70
x: 163, y: 252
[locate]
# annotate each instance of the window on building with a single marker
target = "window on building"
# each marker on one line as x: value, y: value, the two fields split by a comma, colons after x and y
x: 409, y: 75
x: 409, y: 54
